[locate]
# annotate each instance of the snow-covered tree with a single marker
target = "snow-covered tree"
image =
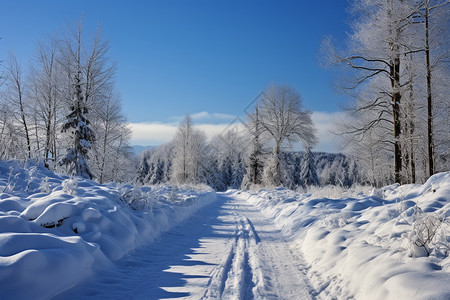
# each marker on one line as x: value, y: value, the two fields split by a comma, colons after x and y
x: 378, y: 45
x: 143, y: 169
x: 308, y: 172
x: 394, y: 84
x: 11, y: 141
x: 16, y: 97
x: 111, y: 152
x: 230, y: 159
x: 254, y: 159
x: 435, y: 14
x: 47, y: 82
x: 284, y: 120
x: 81, y: 135
x: 188, y: 154
x: 34, y: 108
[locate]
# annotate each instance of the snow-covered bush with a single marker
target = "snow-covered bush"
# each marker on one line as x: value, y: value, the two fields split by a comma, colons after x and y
x: 69, y: 186
x: 136, y: 198
x: 44, y: 186
x: 172, y: 196
x: 426, y: 234
x: 32, y: 176
x: 12, y: 179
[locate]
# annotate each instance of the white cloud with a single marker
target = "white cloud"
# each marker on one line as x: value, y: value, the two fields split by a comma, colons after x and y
x: 152, y: 134
x: 324, y: 124
x: 156, y: 133
x: 205, y: 116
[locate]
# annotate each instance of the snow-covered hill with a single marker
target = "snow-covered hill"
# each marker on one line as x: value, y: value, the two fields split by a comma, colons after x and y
x: 55, y: 231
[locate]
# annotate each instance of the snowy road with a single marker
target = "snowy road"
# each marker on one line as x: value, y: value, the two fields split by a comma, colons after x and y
x: 228, y: 250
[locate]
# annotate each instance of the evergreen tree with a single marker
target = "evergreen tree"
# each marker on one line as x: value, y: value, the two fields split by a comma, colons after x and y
x: 254, y: 164
x: 81, y: 134
x: 308, y: 172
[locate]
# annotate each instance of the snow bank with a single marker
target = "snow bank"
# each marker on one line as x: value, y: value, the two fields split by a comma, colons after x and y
x: 390, y: 243
x: 55, y: 230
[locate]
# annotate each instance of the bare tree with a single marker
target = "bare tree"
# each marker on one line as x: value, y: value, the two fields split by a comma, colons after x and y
x: 427, y: 9
x: 16, y: 95
x: 91, y: 59
x: 111, y: 148
x: 284, y: 119
x: 378, y: 43
x: 188, y: 153
x: 47, y: 83
x: 182, y: 141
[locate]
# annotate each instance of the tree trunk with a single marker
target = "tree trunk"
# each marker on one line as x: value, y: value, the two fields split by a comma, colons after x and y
x: 24, y: 122
x: 429, y: 98
x: 412, y: 162
x: 396, y: 96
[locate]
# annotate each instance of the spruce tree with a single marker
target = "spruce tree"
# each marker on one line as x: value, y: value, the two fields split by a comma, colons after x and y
x: 81, y: 134
x: 308, y: 173
x: 254, y: 163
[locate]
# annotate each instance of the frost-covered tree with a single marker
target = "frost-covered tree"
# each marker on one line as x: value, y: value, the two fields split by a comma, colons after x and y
x: 285, y: 121
x: 378, y: 45
x: 182, y: 149
x: 254, y: 159
x: 435, y: 14
x: 393, y: 84
x: 143, y: 168
x: 188, y: 153
x: 88, y: 60
x: 229, y: 157
x: 16, y: 97
x: 47, y: 82
x: 81, y: 135
x: 34, y: 108
x: 308, y: 172
x: 111, y: 151
x: 11, y: 142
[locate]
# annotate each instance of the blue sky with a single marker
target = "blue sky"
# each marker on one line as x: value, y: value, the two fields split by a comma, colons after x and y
x: 208, y: 58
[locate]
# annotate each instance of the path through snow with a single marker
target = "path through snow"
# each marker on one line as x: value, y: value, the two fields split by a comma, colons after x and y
x: 228, y: 250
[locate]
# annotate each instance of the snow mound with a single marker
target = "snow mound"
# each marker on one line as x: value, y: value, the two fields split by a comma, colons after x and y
x: 56, y: 231
x: 389, y: 243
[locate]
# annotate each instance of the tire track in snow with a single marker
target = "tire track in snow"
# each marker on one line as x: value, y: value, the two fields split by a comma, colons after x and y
x: 229, y: 250
x: 280, y: 274
x: 219, y: 275
x: 239, y: 276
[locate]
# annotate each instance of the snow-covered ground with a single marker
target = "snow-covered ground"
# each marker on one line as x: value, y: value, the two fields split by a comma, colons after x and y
x: 370, y: 246
x: 74, y: 239
x: 228, y: 250
x: 56, y: 231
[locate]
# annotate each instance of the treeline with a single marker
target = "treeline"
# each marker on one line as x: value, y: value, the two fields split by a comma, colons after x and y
x: 257, y: 156
x: 222, y: 173
x: 398, y: 65
x: 65, y: 110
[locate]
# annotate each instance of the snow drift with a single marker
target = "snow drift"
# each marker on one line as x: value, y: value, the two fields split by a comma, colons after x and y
x: 390, y: 243
x: 55, y: 231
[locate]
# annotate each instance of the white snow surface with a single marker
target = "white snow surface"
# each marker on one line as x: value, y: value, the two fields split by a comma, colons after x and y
x: 66, y: 238
x: 56, y: 231
x: 364, y: 247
